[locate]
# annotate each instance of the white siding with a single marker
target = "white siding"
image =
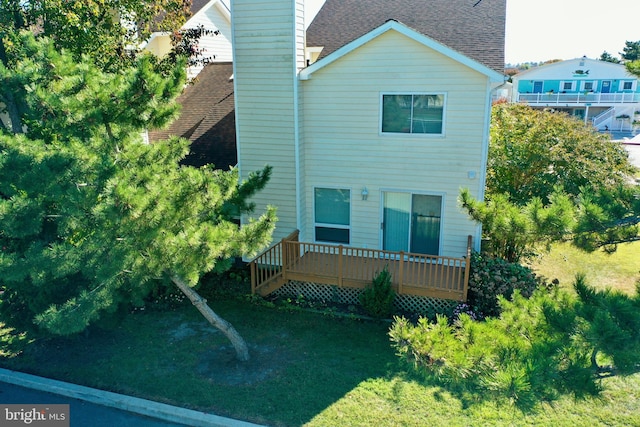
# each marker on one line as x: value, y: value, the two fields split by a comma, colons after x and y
x: 216, y: 47
x: 343, y: 146
x: 213, y: 45
x: 265, y: 39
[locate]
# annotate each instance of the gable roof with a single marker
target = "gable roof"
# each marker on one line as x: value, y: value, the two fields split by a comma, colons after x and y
x: 493, y: 75
x: 612, y: 70
x: 207, y: 118
x: 477, y: 32
x: 198, y: 6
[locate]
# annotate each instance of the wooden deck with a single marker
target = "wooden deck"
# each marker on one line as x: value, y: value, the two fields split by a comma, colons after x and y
x: 412, y: 274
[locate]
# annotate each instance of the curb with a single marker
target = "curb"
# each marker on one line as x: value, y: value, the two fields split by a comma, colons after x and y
x: 120, y: 401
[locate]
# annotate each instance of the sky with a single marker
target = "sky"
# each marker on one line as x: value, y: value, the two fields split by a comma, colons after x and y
x: 540, y: 30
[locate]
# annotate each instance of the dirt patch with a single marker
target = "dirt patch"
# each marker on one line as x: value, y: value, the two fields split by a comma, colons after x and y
x: 220, y: 365
x: 190, y: 329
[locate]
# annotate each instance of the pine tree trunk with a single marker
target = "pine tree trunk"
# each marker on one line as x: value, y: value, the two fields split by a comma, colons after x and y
x: 239, y: 344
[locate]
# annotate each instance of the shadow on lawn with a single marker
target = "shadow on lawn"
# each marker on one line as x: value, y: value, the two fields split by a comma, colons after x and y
x: 301, y: 362
x: 539, y: 349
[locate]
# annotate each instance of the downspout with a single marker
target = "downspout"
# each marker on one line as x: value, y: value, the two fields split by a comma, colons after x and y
x: 235, y: 91
x: 296, y: 119
x: 482, y: 182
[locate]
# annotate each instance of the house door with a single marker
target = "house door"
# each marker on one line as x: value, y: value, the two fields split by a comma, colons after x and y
x: 537, y: 87
x: 411, y: 222
x: 606, y: 86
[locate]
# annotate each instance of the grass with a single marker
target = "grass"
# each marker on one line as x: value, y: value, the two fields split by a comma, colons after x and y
x: 307, y: 368
x: 620, y: 270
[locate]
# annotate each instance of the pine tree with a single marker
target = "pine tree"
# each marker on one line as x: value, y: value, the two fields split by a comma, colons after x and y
x: 93, y: 218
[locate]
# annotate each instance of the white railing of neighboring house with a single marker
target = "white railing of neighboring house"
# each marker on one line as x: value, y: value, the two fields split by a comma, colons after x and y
x: 578, y: 98
x: 603, y: 118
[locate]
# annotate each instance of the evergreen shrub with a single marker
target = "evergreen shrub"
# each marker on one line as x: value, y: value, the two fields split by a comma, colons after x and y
x: 377, y: 299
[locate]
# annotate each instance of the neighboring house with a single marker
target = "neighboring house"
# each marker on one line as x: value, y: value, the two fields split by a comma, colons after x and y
x: 502, y: 93
x: 212, y: 15
x: 207, y: 118
x: 597, y: 91
x: 373, y: 120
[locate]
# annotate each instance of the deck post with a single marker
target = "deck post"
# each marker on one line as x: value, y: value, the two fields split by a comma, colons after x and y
x: 340, y: 266
x: 467, y: 270
x: 253, y: 277
x: 401, y: 272
x: 283, y: 258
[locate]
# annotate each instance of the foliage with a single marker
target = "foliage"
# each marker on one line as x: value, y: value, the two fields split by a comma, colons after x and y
x: 491, y: 278
x: 377, y: 299
x: 610, y: 324
x: 534, y: 153
x: 552, y: 178
x: 514, y: 232
x: 607, y: 57
x: 538, y: 349
x: 631, y: 51
x: 109, y: 31
x: 91, y: 217
x: 633, y: 67
x: 607, y: 218
x: 106, y: 32
x: 464, y: 308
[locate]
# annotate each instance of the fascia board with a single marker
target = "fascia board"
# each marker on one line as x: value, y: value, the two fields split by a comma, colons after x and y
x: 493, y: 75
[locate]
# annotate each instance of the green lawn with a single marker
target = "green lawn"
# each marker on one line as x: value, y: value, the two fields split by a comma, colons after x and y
x: 619, y: 270
x: 306, y: 368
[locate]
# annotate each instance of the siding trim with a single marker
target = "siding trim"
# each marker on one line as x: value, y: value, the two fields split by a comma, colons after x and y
x: 494, y: 76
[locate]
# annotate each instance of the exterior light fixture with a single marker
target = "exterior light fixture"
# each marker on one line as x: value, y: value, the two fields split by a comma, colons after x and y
x: 365, y: 193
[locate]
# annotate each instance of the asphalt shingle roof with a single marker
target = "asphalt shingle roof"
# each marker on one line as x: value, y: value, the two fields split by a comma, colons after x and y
x: 477, y: 32
x: 207, y: 118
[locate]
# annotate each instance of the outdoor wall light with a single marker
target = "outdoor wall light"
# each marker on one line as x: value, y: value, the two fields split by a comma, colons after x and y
x: 365, y: 193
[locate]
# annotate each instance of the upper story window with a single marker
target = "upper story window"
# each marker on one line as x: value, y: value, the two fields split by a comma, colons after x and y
x: 413, y: 113
x: 627, y: 85
x: 567, y: 86
x: 588, y: 86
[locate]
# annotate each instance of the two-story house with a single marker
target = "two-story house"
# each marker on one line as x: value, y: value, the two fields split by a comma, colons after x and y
x: 373, y: 120
x: 597, y: 91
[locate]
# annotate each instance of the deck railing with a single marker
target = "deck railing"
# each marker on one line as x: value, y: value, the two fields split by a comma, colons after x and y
x: 578, y: 98
x: 343, y: 266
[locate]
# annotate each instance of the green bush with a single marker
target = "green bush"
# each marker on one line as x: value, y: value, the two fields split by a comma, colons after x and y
x: 519, y: 358
x: 377, y: 299
x: 537, y: 349
x: 491, y: 277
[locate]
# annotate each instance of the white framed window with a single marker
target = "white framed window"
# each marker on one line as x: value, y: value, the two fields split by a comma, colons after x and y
x: 588, y: 86
x: 628, y: 85
x: 567, y: 86
x: 418, y: 113
x: 332, y: 215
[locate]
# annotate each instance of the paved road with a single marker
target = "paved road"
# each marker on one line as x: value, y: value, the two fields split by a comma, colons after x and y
x: 82, y: 413
x: 97, y: 408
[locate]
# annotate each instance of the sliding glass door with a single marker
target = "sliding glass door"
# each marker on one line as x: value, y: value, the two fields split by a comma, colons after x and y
x: 411, y: 222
